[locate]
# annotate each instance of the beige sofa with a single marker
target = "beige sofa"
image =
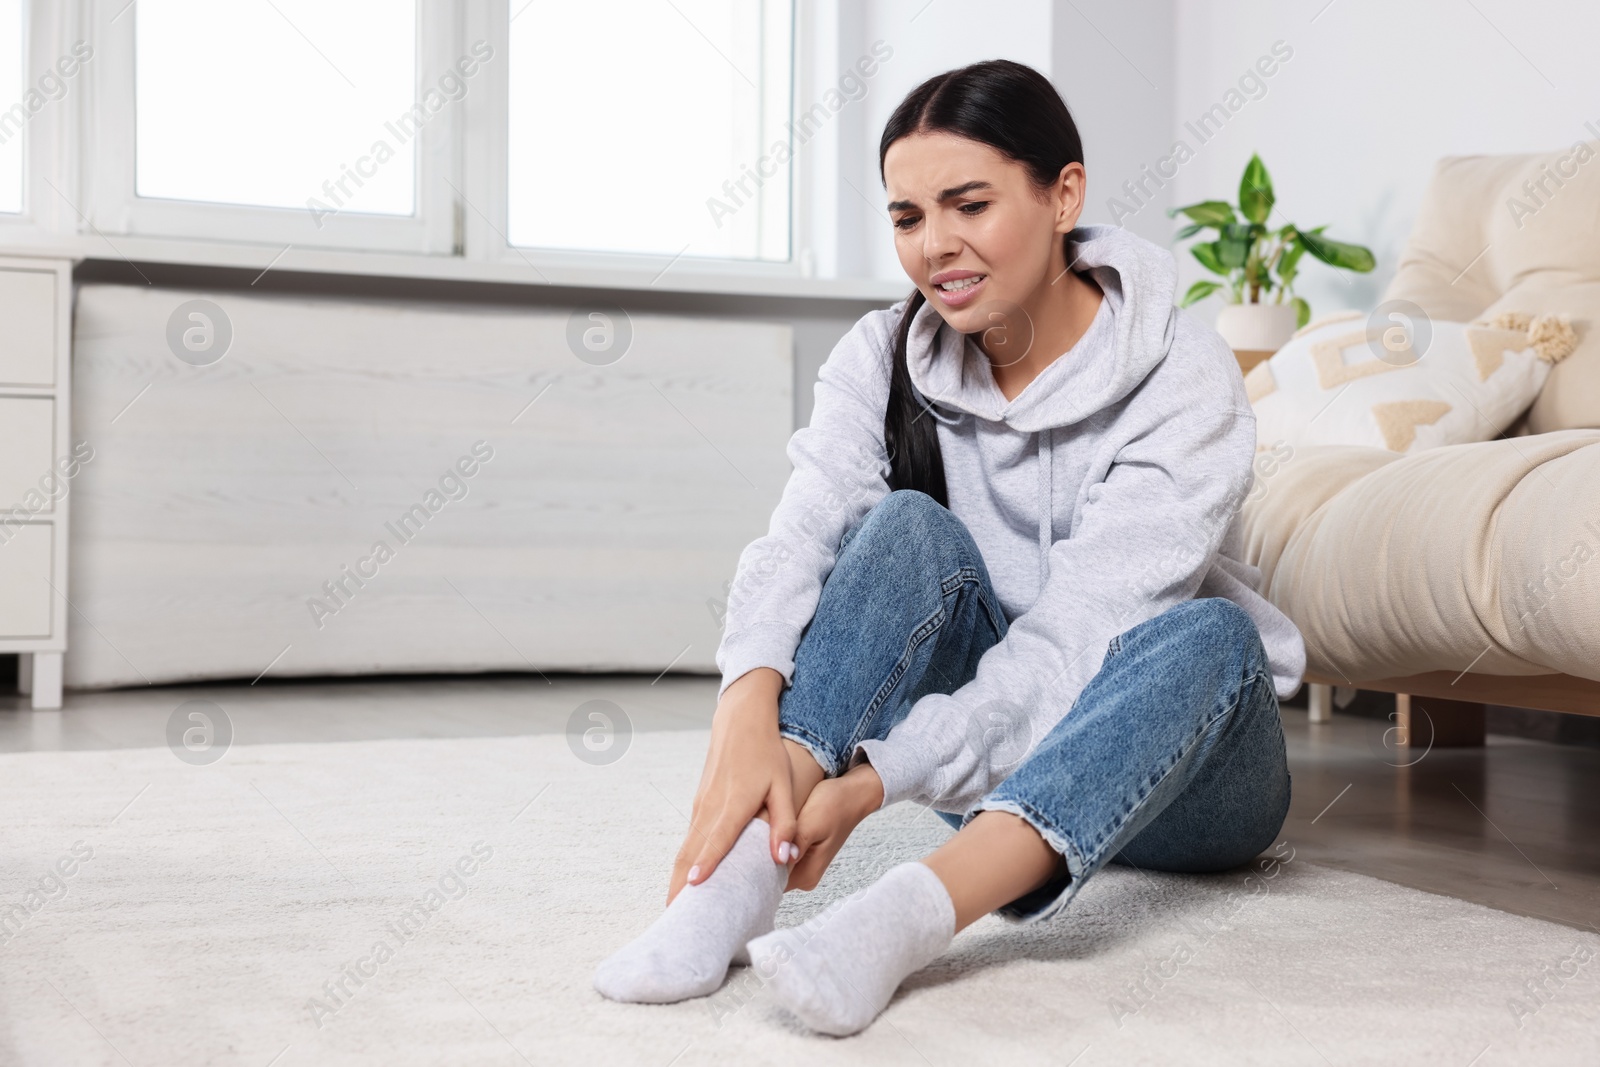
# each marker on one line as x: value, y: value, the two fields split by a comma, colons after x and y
x: 1469, y: 574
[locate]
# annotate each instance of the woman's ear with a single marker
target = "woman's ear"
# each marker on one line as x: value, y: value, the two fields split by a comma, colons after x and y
x: 1070, y: 189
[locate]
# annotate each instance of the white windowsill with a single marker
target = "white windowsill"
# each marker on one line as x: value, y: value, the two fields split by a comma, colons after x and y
x: 536, y: 270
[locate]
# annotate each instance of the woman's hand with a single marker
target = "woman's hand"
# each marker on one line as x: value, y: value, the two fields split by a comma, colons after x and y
x: 746, y: 769
x: 831, y: 813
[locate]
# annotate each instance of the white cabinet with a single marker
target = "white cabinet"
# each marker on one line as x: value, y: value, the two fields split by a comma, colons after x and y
x: 36, y: 468
x: 24, y: 593
x: 27, y: 453
x: 29, y: 354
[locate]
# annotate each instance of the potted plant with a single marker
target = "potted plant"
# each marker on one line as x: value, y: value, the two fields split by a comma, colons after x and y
x: 1259, y: 264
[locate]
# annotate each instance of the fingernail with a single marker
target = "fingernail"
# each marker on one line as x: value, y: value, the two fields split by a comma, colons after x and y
x: 788, y: 850
x: 783, y: 852
x: 694, y: 872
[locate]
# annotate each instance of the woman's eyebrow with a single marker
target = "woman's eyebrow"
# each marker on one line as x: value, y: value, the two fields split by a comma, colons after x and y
x: 948, y: 194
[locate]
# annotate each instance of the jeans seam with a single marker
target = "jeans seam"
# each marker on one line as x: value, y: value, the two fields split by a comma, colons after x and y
x: 968, y: 575
x: 996, y: 619
x: 926, y: 627
x: 963, y: 575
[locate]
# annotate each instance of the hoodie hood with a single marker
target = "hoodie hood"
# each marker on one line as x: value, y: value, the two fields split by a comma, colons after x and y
x: 1140, y: 282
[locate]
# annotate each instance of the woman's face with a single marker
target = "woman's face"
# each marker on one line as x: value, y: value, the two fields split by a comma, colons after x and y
x: 972, y: 230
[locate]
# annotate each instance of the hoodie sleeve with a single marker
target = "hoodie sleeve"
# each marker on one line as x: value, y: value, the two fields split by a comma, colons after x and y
x: 840, y: 472
x: 1142, y: 542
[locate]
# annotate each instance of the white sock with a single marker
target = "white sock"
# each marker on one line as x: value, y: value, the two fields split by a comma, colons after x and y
x: 685, y: 953
x: 839, y: 969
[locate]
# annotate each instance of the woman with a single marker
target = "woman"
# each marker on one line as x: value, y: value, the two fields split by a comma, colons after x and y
x: 1003, y: 581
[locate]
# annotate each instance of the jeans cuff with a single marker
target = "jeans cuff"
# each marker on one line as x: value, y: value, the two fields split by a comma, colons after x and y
x: 1077, y: 867
x: 819, y: 751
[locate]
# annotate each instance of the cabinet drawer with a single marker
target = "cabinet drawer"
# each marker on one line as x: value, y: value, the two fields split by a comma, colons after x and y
x: 26, y: 554
x: 28, y: 309
x: 27, y: 440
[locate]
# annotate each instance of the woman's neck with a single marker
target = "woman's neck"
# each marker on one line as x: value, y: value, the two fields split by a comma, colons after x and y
x: 1049, y: 324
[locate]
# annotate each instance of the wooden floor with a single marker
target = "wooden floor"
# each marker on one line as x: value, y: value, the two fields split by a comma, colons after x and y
x: 1514, y: 825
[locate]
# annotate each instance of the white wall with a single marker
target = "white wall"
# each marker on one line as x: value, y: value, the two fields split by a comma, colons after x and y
x: 1112, y: 61
x: 1375, y: 92
x: 927, y: 38
x: 1350, y: 125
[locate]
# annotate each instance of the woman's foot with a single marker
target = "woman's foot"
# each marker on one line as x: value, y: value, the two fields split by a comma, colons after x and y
x: 838, y: 970
x: 685, y: 953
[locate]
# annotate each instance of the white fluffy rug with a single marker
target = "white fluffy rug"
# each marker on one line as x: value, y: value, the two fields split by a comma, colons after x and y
x: 222, y: 906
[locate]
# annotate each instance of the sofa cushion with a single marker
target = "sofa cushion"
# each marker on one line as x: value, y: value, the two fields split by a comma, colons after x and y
x: 1516, y: 233
x: 1483, y: 556
x: 1349, y: 381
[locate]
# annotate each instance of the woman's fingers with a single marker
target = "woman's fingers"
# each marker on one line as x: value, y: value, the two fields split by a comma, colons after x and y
x: 715, y: 842
x: 686, y: 851
x: 809, y: 871
x: 680, y: 866
x: 781, y: 817
x: 813, y: 847
x: 677, y: 883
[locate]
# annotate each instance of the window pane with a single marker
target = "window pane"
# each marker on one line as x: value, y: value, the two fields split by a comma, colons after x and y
x: 13, y: 99
x: 273, y: 104
x: 634, y: 122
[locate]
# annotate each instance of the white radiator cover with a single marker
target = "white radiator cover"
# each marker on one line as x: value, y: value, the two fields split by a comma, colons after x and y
x: 600, y: 535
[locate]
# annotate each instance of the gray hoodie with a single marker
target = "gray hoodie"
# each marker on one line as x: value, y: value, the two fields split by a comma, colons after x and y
x: 1107, y: 491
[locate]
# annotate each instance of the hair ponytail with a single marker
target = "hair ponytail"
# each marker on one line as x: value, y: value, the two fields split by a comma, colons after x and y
x: 1015, y: 110
x: 915, y: 461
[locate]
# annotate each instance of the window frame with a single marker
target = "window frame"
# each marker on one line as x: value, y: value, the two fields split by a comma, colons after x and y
x: 485, y: 158
x: 78, y: 197
x: 110, y: 144
x: 49, y: 153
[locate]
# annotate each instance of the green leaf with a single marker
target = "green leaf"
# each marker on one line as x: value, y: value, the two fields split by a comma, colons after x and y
x: 1199, y: 291
x: 1289, y: 262
x: 1255, y: 191
x: 1206, y: 212
x: 1338, y: 253
x: 1232, y: 252
x: 1189, y: 231
x: 1302, y: 312
x: 1208, y: 255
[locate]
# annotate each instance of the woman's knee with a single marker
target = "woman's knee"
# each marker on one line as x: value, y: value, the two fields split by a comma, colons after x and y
x: 1214, y: 614
x: 908, y: 524
x: 1205, y: 626
x: 901, y: 511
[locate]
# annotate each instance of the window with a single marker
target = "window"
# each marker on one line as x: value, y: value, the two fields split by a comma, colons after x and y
x: 15, y: 110
x: 669, y: 138
x: 285, y: 123
x: 276, y: 104
x: 625, y: 135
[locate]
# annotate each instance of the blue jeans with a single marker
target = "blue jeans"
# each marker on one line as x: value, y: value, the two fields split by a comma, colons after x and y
x: 1171, y: 759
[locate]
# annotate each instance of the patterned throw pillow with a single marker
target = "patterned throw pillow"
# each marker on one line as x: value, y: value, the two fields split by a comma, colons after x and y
x: 1344, y: 381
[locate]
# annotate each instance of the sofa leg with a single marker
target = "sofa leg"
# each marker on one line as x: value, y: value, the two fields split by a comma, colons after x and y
x: 1320, y: 702
x: 1429, y: 722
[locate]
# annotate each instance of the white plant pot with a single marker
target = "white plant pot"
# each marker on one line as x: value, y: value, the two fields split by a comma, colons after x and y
x: 1256, y: 327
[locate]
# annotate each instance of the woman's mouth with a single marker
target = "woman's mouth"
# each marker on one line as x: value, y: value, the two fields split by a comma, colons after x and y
x: 958, y: 288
